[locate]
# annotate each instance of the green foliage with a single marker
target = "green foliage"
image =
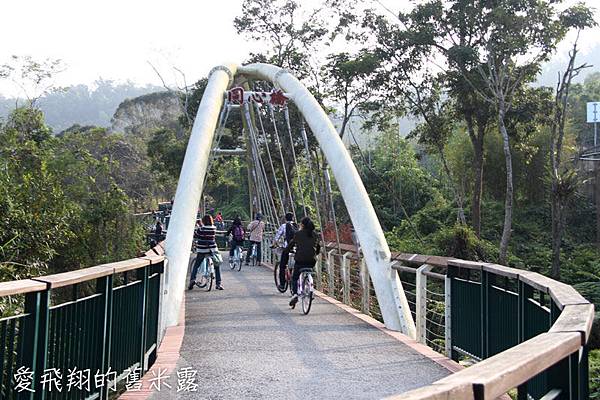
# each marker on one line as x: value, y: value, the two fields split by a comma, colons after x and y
x: 395, y: 181
x: 62, y: 200
x: 594, y: 373
x: 434, y: 230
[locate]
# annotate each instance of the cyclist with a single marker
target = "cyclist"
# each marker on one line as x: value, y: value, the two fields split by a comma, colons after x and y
x: 219, y: 221
x: 283, y: 236
x: 256, y: 229
x: 206, y: 247
x: 237, y: 231
x: 307, y: 246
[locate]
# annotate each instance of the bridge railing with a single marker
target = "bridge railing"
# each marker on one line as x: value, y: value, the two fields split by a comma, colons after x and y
x: 77, y: 334
x: 522, y: 330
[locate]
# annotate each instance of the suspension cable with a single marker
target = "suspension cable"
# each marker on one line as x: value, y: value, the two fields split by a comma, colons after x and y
x: 259, y: 166
x: 267, y: 194
x: 285, y: 175
x: 312, y: 180
x: 264, y: 135
x: 289, y: 127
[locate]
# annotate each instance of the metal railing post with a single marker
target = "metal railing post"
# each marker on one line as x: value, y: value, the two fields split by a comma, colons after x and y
x: 318, y: 268
x: 330, y: 272
x: 484, y: 314
x: 142, y: 274
x: 34, y: 340
x: 346, y: 277
x: 584, y: 373
x: 104, y: 286
x: 162, y: 288
x: 448, y: 316
x: 365, y: 281
x: 421, y: 303
x: 266, y: 250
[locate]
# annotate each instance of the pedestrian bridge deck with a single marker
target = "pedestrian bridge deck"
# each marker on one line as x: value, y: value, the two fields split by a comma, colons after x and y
x: 246, y: 343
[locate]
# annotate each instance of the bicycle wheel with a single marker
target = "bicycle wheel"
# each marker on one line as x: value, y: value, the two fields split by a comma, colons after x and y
x: 233, y: 258
x: 284, y: 286
x: 307, y: 294
x: 209, y: 282
x: 288, y: 278
x: 201, y: 280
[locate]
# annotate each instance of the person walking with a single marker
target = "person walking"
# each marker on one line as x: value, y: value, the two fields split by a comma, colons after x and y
x: 256, y: 229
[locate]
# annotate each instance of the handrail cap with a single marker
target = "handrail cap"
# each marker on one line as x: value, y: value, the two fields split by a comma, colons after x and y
x: 21, y: 287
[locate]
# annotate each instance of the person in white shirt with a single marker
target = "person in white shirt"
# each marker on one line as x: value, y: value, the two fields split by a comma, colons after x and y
x: 256, y: 229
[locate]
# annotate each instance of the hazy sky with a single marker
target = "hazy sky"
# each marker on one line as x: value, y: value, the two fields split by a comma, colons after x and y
x: 115, y: 39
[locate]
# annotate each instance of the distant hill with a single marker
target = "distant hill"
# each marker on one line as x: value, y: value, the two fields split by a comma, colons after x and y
x: 142, y: 115
x: 82, y: 104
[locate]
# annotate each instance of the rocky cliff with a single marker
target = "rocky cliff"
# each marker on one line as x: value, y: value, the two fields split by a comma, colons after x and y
x: 142, y: 115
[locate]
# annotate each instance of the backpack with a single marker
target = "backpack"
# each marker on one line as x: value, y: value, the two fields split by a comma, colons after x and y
x: 290, y: 231
x: 238, y: 233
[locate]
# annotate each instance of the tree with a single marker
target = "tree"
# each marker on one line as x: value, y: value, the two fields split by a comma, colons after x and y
x: 434, y: 31
x: 564, y: 180
x: 34, y: 78
x: 349, y: 81
x: 490, y: 50
x: 293, y: 35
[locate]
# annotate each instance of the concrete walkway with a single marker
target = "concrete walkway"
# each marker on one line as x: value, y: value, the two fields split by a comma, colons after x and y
x: 246, y: 343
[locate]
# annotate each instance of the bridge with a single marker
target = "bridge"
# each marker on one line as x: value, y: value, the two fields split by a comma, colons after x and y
x: 384, y: 324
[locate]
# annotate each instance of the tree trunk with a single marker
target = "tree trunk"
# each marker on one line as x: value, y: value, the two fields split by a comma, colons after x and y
x: 477, y: 142
x: 478, y: 180
x: 508, y: 202
x: 457, y: 191
x: 557, y: 218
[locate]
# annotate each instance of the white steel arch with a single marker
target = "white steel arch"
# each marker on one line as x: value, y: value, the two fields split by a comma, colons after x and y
x: 391, y: 297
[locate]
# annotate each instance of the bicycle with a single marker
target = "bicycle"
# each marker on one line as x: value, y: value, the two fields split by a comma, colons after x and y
x: 206, y: 274
x: 288, y: 275
x: 254, y: 254
x: 306, y: 289
x: 237, y: 259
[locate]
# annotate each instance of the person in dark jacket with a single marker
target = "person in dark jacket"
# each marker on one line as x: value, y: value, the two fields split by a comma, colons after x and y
x: 307, y: 246
x: 206, y: 246
x: 236, y: 230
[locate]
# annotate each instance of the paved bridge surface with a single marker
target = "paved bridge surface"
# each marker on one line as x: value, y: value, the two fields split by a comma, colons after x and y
x: 246, y: 343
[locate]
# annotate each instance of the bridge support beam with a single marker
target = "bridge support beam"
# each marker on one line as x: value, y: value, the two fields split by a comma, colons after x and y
x: 189, y: 189
x: 391, y: 298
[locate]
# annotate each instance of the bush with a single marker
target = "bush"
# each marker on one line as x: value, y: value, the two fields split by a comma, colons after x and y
x: 595, y: 374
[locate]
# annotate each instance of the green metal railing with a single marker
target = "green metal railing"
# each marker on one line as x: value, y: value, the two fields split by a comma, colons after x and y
x: 492, y: 313
x: 91, y: 326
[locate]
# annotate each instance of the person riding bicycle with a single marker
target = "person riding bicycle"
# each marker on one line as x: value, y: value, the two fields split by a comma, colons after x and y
x: 285, y: 233
x: 236, y: 230
x: 306, y: 242
x: 256, y: 229
x: 206, y: 246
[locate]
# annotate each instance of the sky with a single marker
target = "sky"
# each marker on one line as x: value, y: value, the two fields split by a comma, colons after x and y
x: 117, y: 39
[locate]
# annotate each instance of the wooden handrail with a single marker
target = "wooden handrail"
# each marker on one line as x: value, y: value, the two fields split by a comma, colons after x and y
x: 496, y: 375
x: 82, y: 275
x: 22, y: 286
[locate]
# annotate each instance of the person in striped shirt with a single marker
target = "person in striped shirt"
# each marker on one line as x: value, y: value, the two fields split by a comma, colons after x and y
x: 206, y: 246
